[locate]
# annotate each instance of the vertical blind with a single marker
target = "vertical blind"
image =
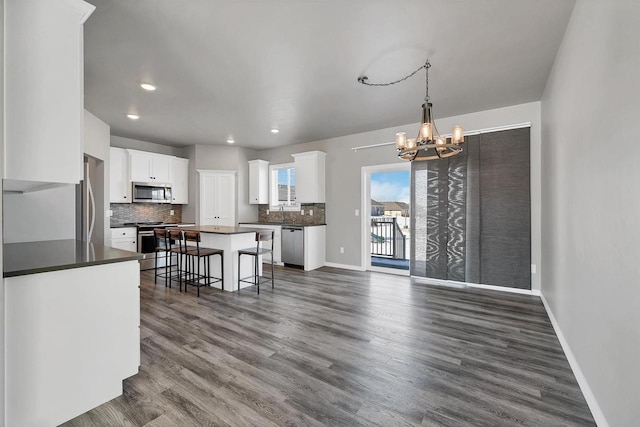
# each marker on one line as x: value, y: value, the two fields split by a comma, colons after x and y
x: 471, y: 213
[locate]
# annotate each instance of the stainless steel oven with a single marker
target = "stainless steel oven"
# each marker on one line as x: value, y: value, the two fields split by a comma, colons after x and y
x: 147, y: 245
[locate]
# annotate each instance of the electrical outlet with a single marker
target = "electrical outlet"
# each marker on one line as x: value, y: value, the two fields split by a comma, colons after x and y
x: 302, y: 212
x: 533, y: 269
x: 172, y: 212
x: 109, y: 213
x: 341, y: 249
x: 310, y: 212
x: 357, y: 212
x: 267, y: 211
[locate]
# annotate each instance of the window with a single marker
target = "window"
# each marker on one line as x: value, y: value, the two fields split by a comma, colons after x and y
x: 283, y: 186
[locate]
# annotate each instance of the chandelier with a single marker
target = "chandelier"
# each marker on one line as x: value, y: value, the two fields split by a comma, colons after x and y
x: 429, y: 144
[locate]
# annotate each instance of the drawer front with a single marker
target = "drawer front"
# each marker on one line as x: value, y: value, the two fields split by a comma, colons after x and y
x: 124, y: 232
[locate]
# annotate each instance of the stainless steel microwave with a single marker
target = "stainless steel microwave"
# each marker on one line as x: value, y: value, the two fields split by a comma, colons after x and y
x: 146, y: 192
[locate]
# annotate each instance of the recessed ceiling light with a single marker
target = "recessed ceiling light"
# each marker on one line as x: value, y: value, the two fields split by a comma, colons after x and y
x: 148, y: 86
x: 133, y: 116
x: 274, y: 130
x: 231, y: 140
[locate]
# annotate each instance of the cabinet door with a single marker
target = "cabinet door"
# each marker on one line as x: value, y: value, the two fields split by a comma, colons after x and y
x: 119, y: 182
x: 258, y: 182
x: 226, y: 199
x: 125, y: 244
x: 180, y: 181
x: 44, y: 90
x: 161, y: 167
x: 140, y: 166
x: 217, y: 198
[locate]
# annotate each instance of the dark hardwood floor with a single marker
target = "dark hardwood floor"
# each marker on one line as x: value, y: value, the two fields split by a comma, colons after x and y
x: 337, y: 347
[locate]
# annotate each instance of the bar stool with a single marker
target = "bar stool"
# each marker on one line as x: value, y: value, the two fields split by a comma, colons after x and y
x: 161, y: 244
x: 178, y: 247
x: 261, y: 236
x: 195, y: 253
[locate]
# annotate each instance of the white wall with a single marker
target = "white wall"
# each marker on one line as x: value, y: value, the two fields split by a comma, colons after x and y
x: 40, y: 215
x: 218, y: 157
x: 2, y: 338
x: 343, y: 174
x: 136, y: 144
x: 591, y: 203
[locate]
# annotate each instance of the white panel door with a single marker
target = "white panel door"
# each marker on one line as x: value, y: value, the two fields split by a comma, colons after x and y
x: 161, y: 167
x: 140, y: 165
x: 180, y: 181
x: 208, y: 212
x: 226, y: 199
x: 217, y: 198
x: 119, y: 183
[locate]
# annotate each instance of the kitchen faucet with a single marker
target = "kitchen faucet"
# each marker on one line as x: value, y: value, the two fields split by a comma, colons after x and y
x: 281, y: 214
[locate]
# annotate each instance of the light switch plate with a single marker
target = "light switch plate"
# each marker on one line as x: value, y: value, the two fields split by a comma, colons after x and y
x: 267, y: 211
x: 302, y: 212
x: 310, y: 212
x: 357, y: 212
x: 533, y: 269
x: 109, y: 213
x: 341, y: 249
x: 172, y: 212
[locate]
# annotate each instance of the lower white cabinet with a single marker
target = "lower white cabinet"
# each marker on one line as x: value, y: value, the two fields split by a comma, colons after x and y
x: 125, y: 238
x: 71, y: 337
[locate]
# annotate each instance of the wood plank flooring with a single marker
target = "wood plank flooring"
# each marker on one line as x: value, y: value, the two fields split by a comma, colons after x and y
x: 344, y: 348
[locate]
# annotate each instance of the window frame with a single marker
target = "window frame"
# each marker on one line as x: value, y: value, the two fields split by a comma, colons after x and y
x: 274, y: 203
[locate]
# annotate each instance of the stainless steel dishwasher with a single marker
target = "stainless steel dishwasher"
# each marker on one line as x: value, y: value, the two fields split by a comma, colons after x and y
x: 293, y: 245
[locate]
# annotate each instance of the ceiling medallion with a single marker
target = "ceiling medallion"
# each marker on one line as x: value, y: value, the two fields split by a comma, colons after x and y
x: 429, y: 144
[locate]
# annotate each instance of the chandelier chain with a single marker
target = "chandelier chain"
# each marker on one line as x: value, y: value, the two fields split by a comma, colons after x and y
x: 425, y: 66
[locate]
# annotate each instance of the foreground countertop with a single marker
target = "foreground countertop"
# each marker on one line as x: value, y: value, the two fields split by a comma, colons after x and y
x: 286, y: 224
x: 20, y: 259
x: 220, y: 229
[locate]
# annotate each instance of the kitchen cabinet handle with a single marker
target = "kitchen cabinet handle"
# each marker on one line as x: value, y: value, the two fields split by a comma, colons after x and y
x: 125, y: 197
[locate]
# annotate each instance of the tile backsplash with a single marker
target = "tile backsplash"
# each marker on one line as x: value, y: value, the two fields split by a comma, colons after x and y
x: 318, y: 216
x: 145, y: 212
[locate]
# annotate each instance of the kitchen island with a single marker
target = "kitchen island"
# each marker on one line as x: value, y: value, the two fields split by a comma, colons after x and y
x: 230, y: 240
x: 72, y: 328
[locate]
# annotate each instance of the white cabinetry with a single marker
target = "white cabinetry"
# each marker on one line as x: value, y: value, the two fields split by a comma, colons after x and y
x: 44, y: 90
x: 217, y: 198
x: 150, y: 167
x: 258, y: 182
x: 310, y: 171
x: 180, y: 182
x: 277, y: 241
x: 71, y: 337
x: 119, y: 182
x: 125, y: 238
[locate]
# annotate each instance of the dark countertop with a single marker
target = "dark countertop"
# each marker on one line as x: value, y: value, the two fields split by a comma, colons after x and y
x: 173, y: 224
x: 220, y: 229
x: 52, y: 255
x: 286, y: 224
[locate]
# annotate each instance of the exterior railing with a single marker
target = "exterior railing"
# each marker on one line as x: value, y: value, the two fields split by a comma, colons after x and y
x: 387, y: 238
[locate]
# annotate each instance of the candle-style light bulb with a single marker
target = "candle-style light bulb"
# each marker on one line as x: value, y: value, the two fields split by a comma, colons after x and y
x: 401, y: 140
x: 425, y: 132
x: 411, y: 143
x: 457, y: 136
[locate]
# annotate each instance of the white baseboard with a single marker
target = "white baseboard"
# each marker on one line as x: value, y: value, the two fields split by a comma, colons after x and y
x: 456, y: 284
x: 535, y: 292
x: 597, y: 413
x: 344, y: 266
x: 395, y: 271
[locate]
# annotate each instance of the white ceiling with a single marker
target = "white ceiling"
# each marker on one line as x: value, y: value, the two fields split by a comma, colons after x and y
x: 240, y: 67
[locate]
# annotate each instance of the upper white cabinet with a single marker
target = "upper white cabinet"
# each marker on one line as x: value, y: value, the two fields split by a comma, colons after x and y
x: 310, y: 174
x: 180, y: 183
x: 150, y: 167
x: 258, y: 182
x: 44, y: 90
x: 217, y: 198
x: 119, y: 182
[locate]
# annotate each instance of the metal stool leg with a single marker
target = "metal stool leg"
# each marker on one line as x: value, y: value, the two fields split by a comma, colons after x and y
x: 271, y: 270
x: 239, y: 255
x: 255, y: 269
x: 222, y: 270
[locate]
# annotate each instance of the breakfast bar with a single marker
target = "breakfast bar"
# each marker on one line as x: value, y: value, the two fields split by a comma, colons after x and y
x: 230, y: 240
